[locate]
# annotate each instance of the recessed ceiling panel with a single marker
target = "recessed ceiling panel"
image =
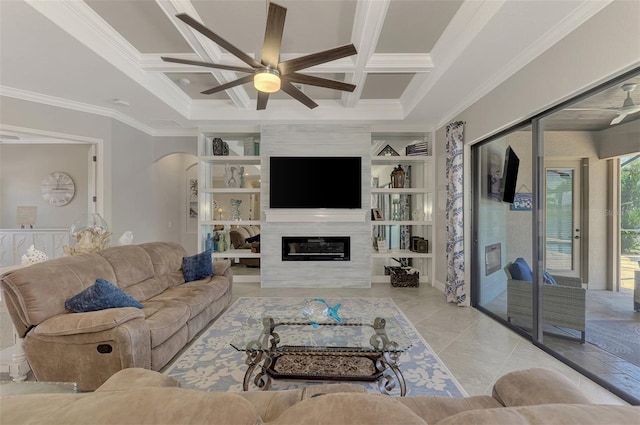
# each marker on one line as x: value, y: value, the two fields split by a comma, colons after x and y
x: 414, y: 26
x: 385, y: 86
x: 143, y: 24
x: 310, y: 26
x: 196, y: 83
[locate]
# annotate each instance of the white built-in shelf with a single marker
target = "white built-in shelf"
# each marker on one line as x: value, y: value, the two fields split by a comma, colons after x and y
x: 249, y: 160
x: 401, y: 253
x: 400, y: 159
x: 236, y: 253
x: 401, y: 223
x: 232, y: 190
x: 400, y: 190
x: 231, y: 222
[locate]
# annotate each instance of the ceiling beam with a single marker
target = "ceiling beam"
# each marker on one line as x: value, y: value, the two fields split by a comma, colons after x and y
x: 367, y: 25
x: 204, y: 48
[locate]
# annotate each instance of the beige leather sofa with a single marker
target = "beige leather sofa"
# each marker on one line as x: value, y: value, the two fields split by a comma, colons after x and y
x: 138, y: 396
x: 87, y: 348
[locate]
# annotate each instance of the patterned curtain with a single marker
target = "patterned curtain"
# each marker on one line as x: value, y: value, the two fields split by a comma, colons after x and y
x: 454, y: 288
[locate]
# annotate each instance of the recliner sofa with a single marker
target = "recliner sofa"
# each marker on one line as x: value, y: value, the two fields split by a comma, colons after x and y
x: 136, y: 396
x: 87, y: 348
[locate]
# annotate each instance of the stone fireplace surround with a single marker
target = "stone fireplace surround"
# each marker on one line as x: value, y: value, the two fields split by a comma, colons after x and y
x: 316, y: 140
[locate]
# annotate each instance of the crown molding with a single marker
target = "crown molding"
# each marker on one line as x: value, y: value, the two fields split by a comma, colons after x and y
x: 86, y: 26
x: 578, y: 17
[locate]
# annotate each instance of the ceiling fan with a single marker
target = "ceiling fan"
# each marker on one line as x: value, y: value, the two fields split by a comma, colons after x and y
x: 269, y: 75
x: 628, y: 107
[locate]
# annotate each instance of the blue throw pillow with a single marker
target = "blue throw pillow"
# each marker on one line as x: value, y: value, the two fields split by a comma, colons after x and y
x: 197, y: 266
x: 548, y: 279
x: 520, y: 270
x: 100, y: 296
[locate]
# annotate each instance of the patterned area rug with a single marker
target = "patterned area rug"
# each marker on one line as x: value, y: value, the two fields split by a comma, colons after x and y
x: 211, y: 364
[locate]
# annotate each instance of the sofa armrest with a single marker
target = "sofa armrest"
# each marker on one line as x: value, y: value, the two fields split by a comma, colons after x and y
x: 82, y: 323
x: 574, y: 282
x: 537, y: 386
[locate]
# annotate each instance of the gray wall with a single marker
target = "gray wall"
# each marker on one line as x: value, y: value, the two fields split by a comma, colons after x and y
x: 144, y: 177
x: 588, y: 56
x: 22, y: 169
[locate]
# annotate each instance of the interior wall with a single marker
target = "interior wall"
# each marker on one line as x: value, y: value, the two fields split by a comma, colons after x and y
x: 22, y: 169
x: 567, y: 68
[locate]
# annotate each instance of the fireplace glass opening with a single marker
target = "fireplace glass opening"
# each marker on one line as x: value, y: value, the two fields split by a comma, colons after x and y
x: 316, y: 248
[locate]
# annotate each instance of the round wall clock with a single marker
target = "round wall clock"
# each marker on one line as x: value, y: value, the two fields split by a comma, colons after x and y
x: 58, y: 189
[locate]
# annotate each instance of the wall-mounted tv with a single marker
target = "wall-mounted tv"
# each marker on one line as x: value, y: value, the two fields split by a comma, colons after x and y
x: 509, y: 175
x: 315, y: 182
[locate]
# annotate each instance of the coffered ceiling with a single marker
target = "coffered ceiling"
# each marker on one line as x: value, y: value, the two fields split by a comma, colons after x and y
x: 419, y: 62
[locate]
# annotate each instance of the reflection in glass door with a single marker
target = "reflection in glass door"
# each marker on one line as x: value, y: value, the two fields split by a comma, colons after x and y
x: 562, y: 198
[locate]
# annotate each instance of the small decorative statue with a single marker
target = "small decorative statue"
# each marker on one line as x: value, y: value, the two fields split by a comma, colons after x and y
x: 220, y: 147
x: 317, y: 310
x: 33, y: 256
x: 233, y: 175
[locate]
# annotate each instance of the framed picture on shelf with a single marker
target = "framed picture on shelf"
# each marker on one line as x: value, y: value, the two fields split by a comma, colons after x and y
x: 381, y: 244
x: 376, y: 215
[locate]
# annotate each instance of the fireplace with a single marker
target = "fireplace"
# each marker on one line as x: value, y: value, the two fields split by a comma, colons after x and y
x: 316, y: 248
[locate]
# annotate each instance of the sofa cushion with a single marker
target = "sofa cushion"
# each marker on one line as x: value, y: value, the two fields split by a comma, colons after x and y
x: 166, y: 258
x: 547, y: 414
x: 100, y: 296
x: 520, y: 270
x: 130, y: 263
x: 197, y: 266
x: 164, y: 318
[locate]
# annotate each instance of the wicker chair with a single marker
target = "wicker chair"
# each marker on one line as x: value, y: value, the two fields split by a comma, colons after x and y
x: 563, y: 305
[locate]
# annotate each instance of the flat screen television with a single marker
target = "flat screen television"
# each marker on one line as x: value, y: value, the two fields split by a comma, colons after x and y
x: 315, y: 182
x: 509, y: 175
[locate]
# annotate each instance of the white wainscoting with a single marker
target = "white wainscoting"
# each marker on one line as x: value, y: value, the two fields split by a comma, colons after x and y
x: 15, y: 242
x: 316, y: 140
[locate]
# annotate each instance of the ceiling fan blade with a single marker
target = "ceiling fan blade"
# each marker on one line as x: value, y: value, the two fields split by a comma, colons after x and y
x: 273, y: 35
x: 307, y: 61
x: 618, y: 119
x: 218, y: 40
x: 292, y: 91
x: 208, y: 64
x: 239, y: 81
x: 263, y: 98
x: 318, y: 82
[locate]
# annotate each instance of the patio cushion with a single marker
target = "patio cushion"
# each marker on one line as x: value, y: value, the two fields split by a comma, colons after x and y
x: 520, y: 270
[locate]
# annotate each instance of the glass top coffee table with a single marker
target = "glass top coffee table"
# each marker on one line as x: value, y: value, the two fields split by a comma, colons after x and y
x: 364, y: 348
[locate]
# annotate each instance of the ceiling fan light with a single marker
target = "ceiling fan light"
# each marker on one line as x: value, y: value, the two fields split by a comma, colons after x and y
x: 267, y: 81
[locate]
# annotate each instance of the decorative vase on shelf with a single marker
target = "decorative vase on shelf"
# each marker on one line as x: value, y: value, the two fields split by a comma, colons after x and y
x: 235, y: 209
x: 208, y: 243
x: 91, y: 234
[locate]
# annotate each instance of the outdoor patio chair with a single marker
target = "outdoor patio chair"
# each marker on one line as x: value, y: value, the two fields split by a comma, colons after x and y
x: 563, y: 303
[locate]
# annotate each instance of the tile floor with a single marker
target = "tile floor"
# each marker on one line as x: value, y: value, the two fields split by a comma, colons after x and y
x: 475, y: 348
